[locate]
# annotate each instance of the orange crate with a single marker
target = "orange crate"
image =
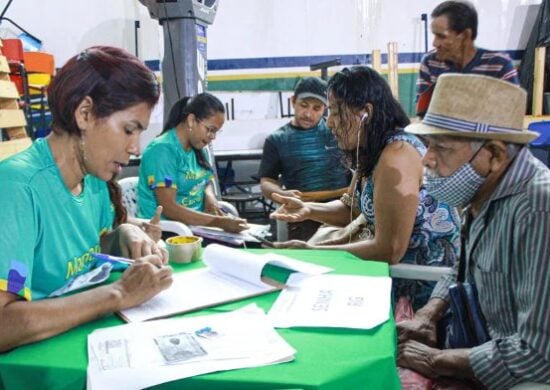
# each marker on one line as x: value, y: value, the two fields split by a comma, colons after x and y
x: 38, y: 62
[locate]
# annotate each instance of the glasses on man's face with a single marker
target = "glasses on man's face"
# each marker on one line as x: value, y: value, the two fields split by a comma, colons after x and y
x: 211, y: 130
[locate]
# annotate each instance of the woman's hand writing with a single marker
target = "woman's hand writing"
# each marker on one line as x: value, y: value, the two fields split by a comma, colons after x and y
x: 143, y: 280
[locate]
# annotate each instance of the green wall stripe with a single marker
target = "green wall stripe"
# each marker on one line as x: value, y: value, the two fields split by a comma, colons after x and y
x: 407, y: 87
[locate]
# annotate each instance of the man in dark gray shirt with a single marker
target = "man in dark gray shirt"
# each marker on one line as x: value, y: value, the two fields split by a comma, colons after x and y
x: 302, y: 156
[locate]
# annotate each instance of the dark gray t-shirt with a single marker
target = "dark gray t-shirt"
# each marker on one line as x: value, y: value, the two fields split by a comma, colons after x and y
x: 308, y: 160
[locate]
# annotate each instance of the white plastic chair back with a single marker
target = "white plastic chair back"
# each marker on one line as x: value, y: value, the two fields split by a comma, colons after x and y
x: 128, y: 186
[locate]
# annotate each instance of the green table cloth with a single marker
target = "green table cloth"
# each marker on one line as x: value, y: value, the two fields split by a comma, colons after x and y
x: 326, y: 358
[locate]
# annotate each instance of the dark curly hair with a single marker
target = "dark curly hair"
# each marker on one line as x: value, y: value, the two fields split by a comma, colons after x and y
x: 353, y: 89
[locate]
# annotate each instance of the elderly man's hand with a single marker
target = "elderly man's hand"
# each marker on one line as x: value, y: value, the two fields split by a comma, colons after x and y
x: 418, y: 357
x: 424, y: 326
x: 417, y: 329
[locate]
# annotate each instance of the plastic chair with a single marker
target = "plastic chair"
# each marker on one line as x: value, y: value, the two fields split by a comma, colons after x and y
x: 128, y: 187
x: 541, y: 145
x: 418, y: 272
x: 12, y: 49
x: 39, y: 62
x: 40, y: 68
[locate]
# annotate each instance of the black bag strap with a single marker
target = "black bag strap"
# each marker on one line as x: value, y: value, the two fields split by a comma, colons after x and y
x: 464, y: 231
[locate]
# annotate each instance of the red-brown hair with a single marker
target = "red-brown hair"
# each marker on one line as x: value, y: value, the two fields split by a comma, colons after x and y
x: 112, y: 77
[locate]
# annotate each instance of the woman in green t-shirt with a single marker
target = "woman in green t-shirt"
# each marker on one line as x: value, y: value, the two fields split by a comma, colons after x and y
x: 56, y: 210
x: 174, y: 171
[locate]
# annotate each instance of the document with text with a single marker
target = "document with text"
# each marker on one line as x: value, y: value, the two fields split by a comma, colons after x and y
x: 343, y: 301
x: 230, y: 275
x: 140, y: 355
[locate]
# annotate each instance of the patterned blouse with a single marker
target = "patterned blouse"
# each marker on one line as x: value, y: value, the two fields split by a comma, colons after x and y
x: 435, y: 239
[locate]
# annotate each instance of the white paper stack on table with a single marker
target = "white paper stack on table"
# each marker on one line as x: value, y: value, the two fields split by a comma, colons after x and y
x: 138, y: 355
x: 343, y: 301
x: 231, y: 274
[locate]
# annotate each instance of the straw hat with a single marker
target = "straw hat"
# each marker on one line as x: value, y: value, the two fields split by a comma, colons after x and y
x: 475, y: 106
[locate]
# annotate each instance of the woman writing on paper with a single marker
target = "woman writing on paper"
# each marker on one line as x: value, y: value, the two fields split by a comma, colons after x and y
x: 174, y: 171
x: 55, y: 204
x: 405, y: 224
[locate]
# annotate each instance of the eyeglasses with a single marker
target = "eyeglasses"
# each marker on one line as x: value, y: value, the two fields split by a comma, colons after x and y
x: 211, y: 130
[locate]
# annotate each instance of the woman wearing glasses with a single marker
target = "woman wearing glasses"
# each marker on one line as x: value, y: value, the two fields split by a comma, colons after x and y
x: 174, y: 171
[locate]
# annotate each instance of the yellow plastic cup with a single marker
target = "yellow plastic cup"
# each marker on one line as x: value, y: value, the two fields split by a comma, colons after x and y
x: 184, y: 249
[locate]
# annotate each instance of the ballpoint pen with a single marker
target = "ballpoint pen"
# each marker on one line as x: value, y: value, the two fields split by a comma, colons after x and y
x: 112, y: 259
x: 122, y: 262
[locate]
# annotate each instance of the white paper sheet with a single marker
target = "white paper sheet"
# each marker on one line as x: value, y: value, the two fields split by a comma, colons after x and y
x: 248, y: 266
x: 343, y: 301
x: 138, y: 355
x: 231, y: 274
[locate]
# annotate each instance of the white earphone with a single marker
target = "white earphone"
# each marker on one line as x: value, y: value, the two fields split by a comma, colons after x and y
x: 364, y: 117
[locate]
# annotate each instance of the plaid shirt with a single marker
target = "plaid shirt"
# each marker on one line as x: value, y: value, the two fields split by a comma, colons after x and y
x: 485, y: 62
x: 508, y: 257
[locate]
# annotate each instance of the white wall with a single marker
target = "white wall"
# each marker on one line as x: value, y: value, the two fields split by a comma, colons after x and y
x: 261, y: 28
x: 69, y: 26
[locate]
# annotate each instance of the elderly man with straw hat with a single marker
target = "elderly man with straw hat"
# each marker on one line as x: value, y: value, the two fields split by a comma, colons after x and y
x: 478, y: 159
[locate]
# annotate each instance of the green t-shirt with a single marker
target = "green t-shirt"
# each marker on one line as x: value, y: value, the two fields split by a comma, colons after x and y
x: 165, y: 163
x: 47, y: 234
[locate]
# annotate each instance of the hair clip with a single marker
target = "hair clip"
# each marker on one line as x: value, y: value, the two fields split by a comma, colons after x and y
x: 83, y: 55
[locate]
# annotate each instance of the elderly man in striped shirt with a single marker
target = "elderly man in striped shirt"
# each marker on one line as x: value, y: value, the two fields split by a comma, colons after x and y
x: 478, y: 159
x: 454, y: 26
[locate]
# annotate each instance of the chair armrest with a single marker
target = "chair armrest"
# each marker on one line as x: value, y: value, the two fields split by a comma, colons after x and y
x: 418, y: 272
x: 228, y: 207
x: 175, y: 227
x: 282, y: 230
x: 178, y: 228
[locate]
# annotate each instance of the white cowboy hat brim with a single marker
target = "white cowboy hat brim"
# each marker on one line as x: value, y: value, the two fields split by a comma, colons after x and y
x: 521, y: 137
x: 477, y: 107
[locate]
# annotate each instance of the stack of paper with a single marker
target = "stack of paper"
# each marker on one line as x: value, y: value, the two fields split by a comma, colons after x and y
x: 134, y: 356
x: 344, y: 301
x: 231, y: 274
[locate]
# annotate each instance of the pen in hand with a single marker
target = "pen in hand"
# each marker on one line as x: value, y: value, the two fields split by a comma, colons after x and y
x: 112, y: 259
x: 116, y: 259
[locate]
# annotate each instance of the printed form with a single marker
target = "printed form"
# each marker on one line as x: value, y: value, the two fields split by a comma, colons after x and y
x: 343, y: 301
x: 144, y: 354
x: 231, y: 274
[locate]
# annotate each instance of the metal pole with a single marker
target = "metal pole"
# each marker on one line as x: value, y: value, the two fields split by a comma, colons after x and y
x: 424, y: 18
